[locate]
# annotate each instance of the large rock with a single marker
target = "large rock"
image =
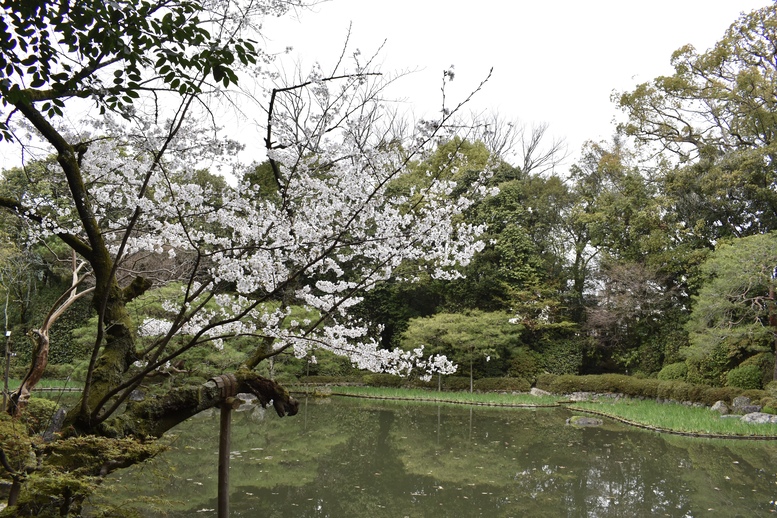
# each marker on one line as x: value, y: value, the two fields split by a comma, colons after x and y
x: 579, y: 420
x: 722, y: 407
x: 759, y: 418
x: 538, y: 392
x: 743, y: 405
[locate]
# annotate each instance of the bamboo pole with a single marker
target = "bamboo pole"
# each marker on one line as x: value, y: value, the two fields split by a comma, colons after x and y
x: 225, y: 433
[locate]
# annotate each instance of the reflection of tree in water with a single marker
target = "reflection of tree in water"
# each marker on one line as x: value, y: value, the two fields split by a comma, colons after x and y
x: 348, y: 458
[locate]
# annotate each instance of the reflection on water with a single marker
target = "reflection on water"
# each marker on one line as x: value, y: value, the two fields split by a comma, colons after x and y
x: 344, y: 458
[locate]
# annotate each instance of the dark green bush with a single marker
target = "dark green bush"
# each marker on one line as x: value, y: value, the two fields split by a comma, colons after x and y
x: 765, y: 362
x: 710, y: 369
x: 524, y: 364
x: 561, y: 356
x: 674, y: 371
x: 502, y: 384
x: 455, y: 383
x: 647, y: 388
x: 60, y: 371
x: 745, y: 377
x: 37, y: 416
x: 769, y: 405
x: 564, y: 384
x: 545, y: 381
x: 711, y: 395
x: 383, y: 380
x: 334, y: 380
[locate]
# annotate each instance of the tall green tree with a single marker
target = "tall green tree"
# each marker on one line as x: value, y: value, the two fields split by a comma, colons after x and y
x: 474, y: 338
x: 132, y: 185
x: 734, y: 315
x: 716, y: 116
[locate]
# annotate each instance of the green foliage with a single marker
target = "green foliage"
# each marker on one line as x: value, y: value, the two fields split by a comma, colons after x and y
x: 73, y: 468
x: 561, y: 355
x: 524, y: 363
x: 383, y: 380
x: 15, y: 443
x: 456, y: 383
x: 745, y: 377
x: 709, y: 369
x: 475, y: 336
x: 331, y: 380
x: 502, y: 385
x: 48, y: 48
x: 732, y: 311
x: 38, y: 413
x: 765, y: 362
x: 716, y: 113
x: 674, y: 371
x: 644, y: 388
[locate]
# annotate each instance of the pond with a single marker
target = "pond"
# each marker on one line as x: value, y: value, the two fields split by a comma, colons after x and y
x: 344, y: 457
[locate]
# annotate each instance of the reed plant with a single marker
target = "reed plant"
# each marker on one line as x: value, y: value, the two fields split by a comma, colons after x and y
x: 675, y: 417
x: 472, y: 398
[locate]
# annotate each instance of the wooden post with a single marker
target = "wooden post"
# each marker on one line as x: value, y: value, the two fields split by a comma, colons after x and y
x: 225, y: 433
x: 7, y: 368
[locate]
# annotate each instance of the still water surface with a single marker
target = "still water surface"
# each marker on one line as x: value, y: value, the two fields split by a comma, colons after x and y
x: 342, y: 458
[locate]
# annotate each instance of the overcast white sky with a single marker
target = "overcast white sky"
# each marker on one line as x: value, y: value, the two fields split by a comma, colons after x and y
x: 554, y: 61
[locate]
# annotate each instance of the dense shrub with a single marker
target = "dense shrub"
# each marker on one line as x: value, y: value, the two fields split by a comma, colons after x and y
x: 332, y: 380
x: 745, y: 377
x: 455, y: 383
x: 37, y: 416
x: 502, y: 384
x: 62, y: 371
x: 709, y: 369
x: 769, y: 405
x: 383, y: 380
x: 545, y: 381
x: 765, y: 362
x: 561, y: 356
x: 285, y: 378
x: 524, y: 364
x: 674, y: 371
x: 647, y: 388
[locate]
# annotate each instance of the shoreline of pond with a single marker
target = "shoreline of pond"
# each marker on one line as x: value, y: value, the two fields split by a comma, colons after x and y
x: 525, y: 401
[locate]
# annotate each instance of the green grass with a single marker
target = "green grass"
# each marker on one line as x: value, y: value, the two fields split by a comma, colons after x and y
x: 663, y: 417
x: 13, y: 384
x: 677, y: 418
x: 489, y: 399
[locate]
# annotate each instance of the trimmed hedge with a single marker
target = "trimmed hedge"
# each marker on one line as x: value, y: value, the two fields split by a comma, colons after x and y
x: 450, y: 383
x: 674, y: 371
x: 329, y: 380
x: 745, y: 377
x: 502, y: 384
x: 646, y: 388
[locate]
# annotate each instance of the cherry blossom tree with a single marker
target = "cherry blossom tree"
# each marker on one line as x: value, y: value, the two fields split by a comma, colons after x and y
x: 323, y: 230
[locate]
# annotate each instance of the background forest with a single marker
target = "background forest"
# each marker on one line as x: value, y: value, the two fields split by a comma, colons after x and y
x: 653, y: 255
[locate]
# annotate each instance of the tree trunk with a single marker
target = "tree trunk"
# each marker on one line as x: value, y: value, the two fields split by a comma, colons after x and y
x: 40, y: 358
x: 156, y: 415
x: 773, y: 324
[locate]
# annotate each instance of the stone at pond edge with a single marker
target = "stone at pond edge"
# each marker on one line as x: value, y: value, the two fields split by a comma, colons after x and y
x: 759, y: 418
x: 743, y: 405
x: 538, y: 392
x: 579, y: 420
x: 720, y: 406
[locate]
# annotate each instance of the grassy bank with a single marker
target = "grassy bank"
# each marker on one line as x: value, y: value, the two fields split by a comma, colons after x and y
x: 661, y: 417
x: 46, y: 384
x: 476, y: 398
x: 675, y: 418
